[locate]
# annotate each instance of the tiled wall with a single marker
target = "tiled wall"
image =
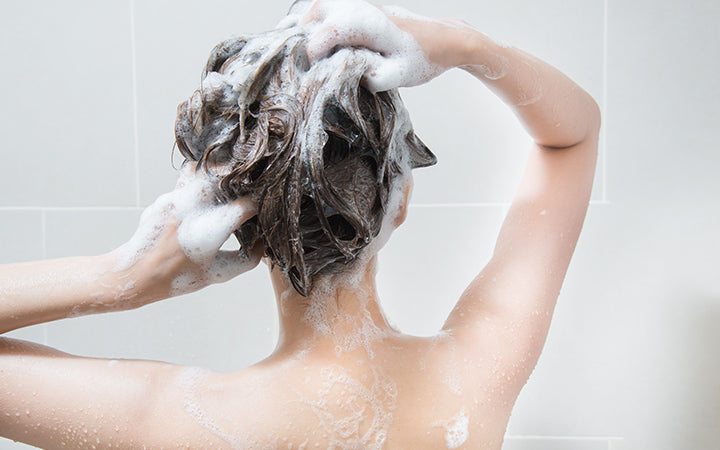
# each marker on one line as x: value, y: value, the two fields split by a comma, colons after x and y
x: 89, y: 94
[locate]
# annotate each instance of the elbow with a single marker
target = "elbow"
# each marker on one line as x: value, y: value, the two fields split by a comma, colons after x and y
x: 594, y: 118
x: 590, y: 116
x: 580, y: 122
x: 584, y: 126
x: 589, y: 120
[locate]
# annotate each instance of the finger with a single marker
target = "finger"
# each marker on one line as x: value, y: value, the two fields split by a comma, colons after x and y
x: 201, y: 235
x: 315, y: 13
x: 322, y: 41
x: 238, y: 212
x: 187, y: 173
x: 382, y: 74
x: 196, y: 192
x: 229, y: 264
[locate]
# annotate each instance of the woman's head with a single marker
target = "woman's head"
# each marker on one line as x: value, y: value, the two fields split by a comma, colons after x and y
x: 318, y: 153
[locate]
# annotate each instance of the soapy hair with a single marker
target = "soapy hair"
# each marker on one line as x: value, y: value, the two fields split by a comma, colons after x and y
x: 316, y: 151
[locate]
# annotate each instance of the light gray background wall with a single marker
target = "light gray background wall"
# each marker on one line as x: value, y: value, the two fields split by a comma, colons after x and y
x: 89, y: 91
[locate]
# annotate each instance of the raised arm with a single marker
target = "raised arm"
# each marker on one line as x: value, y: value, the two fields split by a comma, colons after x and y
x: 506, y: 310
x: 174, y: 251
x: 543, y: 224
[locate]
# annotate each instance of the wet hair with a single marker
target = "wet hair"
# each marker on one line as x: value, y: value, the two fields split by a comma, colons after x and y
x: 316, y: 151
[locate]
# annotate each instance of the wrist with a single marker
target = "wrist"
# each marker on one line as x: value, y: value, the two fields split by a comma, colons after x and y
x: 460, y: 43
x: 122, y: 287
x: 481, y: 49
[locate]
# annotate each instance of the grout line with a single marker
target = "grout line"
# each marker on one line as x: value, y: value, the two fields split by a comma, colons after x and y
x: 605, y: 98
x: 564, y: 438
x: 135, y: 102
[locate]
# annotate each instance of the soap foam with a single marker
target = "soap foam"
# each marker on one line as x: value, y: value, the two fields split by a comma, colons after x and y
x: 354, y: 413
x: 204, y: 226
x: 395, y: 57
x: 456, y: 429
x: 391, y: 58
x: 189, y: 379
x: 349, y: 330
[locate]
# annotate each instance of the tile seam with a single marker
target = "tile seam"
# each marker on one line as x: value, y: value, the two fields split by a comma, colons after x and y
x: 136, y: 138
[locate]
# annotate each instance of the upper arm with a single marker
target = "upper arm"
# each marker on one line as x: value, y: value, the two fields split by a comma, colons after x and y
x: 507, y: 308
x: 55, y: 400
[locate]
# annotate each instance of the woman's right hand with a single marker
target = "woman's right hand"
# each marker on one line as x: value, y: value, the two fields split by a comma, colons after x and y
x: 176, y: 248
x: 405, y: 49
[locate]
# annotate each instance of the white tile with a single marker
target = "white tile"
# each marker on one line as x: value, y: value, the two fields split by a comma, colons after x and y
x: 7, y: 444
x: 430, y: 260
x: 35, y: 333
x: 664, y: 94
x: 21, y: 236
x: 66, y: 116
x: 88, y: 232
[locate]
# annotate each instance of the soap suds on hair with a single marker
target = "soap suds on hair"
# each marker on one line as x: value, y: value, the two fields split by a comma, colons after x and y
x: 402, y: 62
x: 291, y: 132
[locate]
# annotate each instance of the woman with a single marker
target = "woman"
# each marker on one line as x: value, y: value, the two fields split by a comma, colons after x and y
x: 315, y: 184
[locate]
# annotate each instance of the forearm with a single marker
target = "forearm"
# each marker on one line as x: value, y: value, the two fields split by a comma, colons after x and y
x: 555, y: 111
x: 43, y: 291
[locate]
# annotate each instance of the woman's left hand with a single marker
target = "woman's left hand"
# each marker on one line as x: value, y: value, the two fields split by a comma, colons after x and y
x: 406, y: 49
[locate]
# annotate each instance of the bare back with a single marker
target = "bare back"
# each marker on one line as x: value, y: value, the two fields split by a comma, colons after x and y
x: 420, y: 392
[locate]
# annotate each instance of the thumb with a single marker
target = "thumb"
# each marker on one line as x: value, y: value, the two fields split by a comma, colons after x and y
x: 321, y: 41
x: 237, y: 212
x: 228, y: 264
x: 383, y: 73
x: 201, y: 236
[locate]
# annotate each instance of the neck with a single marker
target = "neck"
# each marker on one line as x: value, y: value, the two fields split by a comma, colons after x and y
x: 341, y: 315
